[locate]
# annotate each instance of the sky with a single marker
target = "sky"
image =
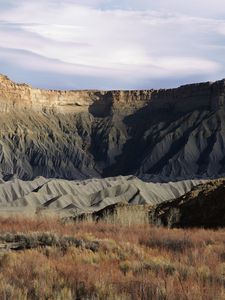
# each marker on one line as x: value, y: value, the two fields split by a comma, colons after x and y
x: 112, y: 44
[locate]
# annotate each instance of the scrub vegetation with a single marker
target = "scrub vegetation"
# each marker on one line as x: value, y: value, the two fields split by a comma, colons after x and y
x: 44, y: 258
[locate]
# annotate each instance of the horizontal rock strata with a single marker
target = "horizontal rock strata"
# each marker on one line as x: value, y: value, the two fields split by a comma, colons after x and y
x: 169, y: 134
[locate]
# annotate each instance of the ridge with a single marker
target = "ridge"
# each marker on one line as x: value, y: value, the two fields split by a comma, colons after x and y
x: 100, y: 103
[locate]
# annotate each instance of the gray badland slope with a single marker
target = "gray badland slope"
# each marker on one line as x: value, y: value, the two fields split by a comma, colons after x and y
x: 72, y: 198
x: 175, y: 133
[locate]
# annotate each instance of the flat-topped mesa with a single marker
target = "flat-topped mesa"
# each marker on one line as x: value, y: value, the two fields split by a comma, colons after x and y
x: 22, y: 97
x: 186, y: 98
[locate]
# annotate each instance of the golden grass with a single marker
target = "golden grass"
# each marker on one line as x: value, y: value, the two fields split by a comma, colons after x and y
x: 128, y: 215
x: 132, y: 262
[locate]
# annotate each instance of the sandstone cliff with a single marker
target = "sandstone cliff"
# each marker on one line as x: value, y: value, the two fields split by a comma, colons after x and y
x: 24, y: 97
x: 173, y: 133
x: 185, y: 98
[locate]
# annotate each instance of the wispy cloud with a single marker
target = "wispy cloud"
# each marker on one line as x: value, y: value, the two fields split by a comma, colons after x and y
x: 126, y: 44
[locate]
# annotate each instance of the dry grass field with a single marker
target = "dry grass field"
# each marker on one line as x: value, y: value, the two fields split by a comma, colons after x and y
x: 43, y: 258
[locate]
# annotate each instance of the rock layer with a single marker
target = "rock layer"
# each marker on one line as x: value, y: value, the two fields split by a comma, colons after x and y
x: 171, y: 134
x: 24, y: 97
x: 186, y: 98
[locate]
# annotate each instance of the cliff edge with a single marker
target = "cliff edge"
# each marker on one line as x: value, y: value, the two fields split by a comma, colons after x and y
x: 208, y: 95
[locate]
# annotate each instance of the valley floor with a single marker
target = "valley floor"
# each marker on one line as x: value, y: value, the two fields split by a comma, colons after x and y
x: 44, y: 258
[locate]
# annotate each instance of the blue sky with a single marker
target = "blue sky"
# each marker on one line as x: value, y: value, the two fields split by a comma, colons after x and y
x: 127, y: 44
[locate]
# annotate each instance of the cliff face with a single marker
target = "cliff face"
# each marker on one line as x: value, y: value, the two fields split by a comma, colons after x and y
x: 78, y: 134
x: 183, y: 99
x: 24, y: 97
x: 191, y: 97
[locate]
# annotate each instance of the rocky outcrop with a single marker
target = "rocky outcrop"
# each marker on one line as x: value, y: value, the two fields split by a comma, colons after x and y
x: 102, y: 103
x: 203, y: 206
x: 167, y: 134
x: 187, y: 98
x: 24, y: 97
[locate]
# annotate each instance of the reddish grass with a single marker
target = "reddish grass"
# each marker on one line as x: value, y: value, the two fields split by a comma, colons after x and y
x: 133, y: 262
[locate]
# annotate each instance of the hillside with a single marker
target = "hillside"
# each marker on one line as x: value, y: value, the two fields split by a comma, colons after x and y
x: 167, y: 134
x: 203, y: 206
x: 75, y: 198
